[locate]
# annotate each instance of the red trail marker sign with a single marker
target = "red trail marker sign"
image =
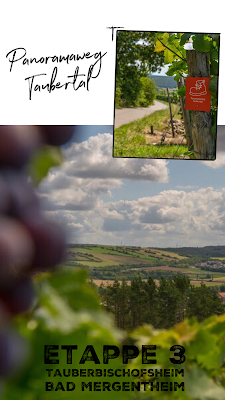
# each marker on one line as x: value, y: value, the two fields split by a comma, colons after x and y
x: 198, y: 97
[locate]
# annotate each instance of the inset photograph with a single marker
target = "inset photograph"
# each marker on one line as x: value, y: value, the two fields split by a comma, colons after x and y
x: 166, y: 95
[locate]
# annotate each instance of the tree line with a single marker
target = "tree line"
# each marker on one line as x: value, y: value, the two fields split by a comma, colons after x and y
x: 163, y: 305
x: 135, y: 61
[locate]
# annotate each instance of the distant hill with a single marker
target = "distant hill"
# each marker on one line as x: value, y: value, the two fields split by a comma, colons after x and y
x: 207, y: 251
x: 102, y: 255
x: 164, y: 81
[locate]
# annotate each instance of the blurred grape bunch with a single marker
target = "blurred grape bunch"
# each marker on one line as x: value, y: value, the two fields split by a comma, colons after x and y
x: 28, y: 241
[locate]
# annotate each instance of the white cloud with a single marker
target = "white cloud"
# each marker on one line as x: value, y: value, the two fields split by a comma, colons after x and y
x: 75, y: 194
x: 186, y: 187
x: 197, y: 216
x: 93, y: 159
x: 218, y: 163
x: 90, y: 171
x: 187, y: 218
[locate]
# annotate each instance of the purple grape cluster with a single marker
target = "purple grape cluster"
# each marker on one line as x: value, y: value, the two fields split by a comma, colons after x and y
x: 29, y: 242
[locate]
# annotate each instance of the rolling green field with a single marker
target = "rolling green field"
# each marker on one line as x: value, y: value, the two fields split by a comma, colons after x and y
x: 99, y: 256
x: 111, y: 262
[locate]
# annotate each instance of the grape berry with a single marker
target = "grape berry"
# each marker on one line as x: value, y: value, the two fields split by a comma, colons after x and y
x: 49, y: 135
x: 28, y: 241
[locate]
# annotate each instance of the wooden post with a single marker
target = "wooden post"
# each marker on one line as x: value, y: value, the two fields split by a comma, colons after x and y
x: 152, y: 129
x: 171, y: 115
x: 186, y: 115
x: 201, y: 121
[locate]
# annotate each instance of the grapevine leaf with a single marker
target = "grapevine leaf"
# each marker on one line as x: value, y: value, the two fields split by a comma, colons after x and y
x: 171, y: 71
x: 214, y: 103
x: 187, y: 330
x: 177, y: 77
x: 159, y: 35
x: 213, y: 84
x: 165, y: 37
x: 214, y: 36
x: 200, y: 387
x: 56, y: 323
x: 214, y: 67
x: 175, y: 48
x: 169, y: 56
x: 201, y: 43
x: 159, y: 46
x: 204, y: 348
x: 213, y: 129
x: 182, y: 91
x: 172, y: 38
x: 179, y: 35
x: 216, y: 325
x: 215, y: 54
x: 184, y: 38
x: 42, y: 161
x: 71, y: 285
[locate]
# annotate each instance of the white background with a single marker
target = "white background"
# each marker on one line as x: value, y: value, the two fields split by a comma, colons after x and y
x: 47, y: 28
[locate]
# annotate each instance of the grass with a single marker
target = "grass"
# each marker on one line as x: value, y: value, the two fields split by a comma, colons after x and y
x: 222, y: 278
x: 168, y: 254
x: 98, y: 264
x: 163, y: 254
x: 124, y: 254
x: 130, y: 141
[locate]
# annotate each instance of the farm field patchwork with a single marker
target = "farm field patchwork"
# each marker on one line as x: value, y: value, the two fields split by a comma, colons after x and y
x: 127, y: 261
x: 119, y: 254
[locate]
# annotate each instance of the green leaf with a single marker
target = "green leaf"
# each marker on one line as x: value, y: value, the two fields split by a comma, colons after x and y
x: 214, y: 67
x: 213, y: 84
x: 204, y: 349
x: 171, y: 71
x: 213, y: 129
x: 169, y: 56
x: 184, y: 38
x: 55, y: 322
x: 215, y: 54
x: 200, y: 387
x: 214, y: 36
x: 159, y: 46
x: 182, y: 91
x: 42, y: 161
x: 165, y: 37
x: 216, y: 325
x: 177, y: 77
x: 172, y: 38
x: 71, y: 285
x: 201, y: 42
x: 159, y: 35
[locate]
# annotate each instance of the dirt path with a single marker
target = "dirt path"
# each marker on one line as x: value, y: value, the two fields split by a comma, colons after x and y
x: 126, y: 115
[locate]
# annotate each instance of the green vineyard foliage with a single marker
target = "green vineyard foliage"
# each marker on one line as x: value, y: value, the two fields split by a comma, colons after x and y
x: 67, y: 311
x: 175, y: 45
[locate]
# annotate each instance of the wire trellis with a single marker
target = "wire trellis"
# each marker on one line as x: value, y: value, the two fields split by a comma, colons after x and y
x: 188, y: 131
x: 164, y: 135
x: 206, y: 123
x: 190, y: 148
x: 202, y: 154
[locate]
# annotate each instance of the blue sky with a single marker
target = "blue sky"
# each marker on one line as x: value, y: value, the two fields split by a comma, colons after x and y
x: 163, y: 71
x: 161, y: 203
